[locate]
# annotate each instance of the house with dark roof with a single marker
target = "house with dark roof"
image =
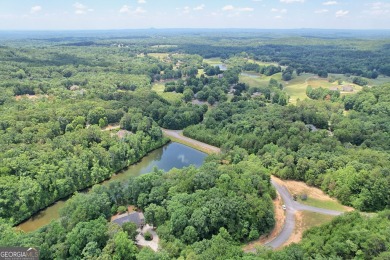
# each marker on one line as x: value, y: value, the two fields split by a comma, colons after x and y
x: 135, y: 217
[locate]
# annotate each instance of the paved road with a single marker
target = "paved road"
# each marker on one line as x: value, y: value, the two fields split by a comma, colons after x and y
x: 291, y: 205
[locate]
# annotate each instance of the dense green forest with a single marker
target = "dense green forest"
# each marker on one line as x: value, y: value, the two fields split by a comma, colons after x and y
x: 51, y: 140
x: 192, y: 208
x: 192, y: 220
x: 65, y: 102
x: 351, y: 236
x: 347, y: 156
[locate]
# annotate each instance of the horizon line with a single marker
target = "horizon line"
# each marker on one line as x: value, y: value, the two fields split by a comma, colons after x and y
x: 190, y: 28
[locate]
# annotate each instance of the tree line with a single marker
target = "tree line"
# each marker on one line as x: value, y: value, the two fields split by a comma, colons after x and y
x: 195, y: 211
x: 347, y: 159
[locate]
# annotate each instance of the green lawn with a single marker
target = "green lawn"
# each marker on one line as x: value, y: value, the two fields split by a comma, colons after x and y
x: 213, y: 61
x: 379, y: 81
x: 169, y: 96
x: 313, y: 219
x: 371, y: 82
x: 261, y: 81
x: 325, y: 204
x: 159, y: 55
x: 262, y: 63
x: 296, y: 88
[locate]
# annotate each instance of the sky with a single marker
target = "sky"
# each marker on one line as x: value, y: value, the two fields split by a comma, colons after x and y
x: 140, y: 14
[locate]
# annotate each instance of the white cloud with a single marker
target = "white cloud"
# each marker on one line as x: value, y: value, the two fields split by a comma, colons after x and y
x: 199, y: 7
x: 186, y: 10
x: 257, y: 0
x: 330, y: 3
x: 282, y: 11
x: 81, y: 9
x: 128, y: 10
x: 238, y: 9
x: 245, y: 9
x: 36, y: 9
x: 378, y: 8
x: 292, y: 1
x: 139, y: 10
x: 124, y: 9
x: 142, y: 1
x: 321, y: 11
x: 278, y: 17
x: 341, y: 13
x: 228, y: 8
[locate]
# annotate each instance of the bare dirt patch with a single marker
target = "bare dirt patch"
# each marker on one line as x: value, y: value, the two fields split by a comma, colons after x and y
x: 30, y: 97
x: 279, y: 222
x: 130, y: 209
x: 110, y: 127
x: 303, y: 221
x: 298, y: 188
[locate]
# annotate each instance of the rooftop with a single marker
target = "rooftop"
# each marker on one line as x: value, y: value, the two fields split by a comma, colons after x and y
x: 135, y: 217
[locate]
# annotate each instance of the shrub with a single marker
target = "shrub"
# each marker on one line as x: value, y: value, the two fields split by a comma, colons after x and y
x: 148, y: 236
x: 122, y: 209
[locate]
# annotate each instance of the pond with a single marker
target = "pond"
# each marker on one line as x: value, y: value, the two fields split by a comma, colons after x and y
x: 172, y: 155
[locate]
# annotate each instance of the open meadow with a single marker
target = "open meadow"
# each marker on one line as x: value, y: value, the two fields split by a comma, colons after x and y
x: 169, y: 96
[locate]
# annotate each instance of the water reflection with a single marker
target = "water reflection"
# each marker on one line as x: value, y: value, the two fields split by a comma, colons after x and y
x: 173, y: 155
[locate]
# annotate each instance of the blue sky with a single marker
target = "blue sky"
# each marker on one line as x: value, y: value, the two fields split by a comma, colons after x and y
x: 135, y: 14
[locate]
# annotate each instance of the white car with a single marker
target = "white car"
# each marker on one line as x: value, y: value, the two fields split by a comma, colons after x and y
x: 284, y: 207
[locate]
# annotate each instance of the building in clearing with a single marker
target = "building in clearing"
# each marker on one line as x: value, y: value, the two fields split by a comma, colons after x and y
x: 135, y: 217
x: 347, y: 88
x: 74, y: 88
x: 123, y: 133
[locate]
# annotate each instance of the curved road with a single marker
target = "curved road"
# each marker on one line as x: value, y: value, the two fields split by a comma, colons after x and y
x: 291, y: 205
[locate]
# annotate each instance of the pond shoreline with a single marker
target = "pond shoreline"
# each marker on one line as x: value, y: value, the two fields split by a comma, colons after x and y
x: 164, y: 142
x: 170, y: 155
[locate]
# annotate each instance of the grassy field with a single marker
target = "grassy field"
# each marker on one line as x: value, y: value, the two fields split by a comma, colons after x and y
x: 296, y: 88
x: 371, y: 82
x: 170, y: 96
x: 325, y: 204
x: 315, y: 196
x: 313, y: 219
x: 261, y: 63
x: 213, y: 61
x: 305, y: 220
x: 260, y: 81
x: 159, y: 55
x: 379, y: 81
